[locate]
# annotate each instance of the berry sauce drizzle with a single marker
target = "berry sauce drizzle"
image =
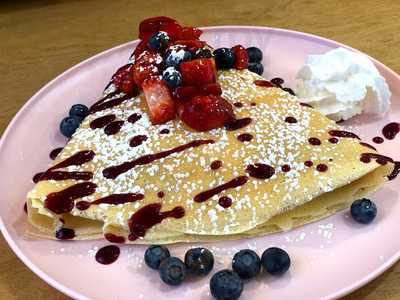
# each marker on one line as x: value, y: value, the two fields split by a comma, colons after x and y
x: 343, y: 134
x: 65, y: 234
x: 216, y: 164
x: 238, y: 104
x: 137, y: 140
x: 308, y: 163
x: 391, y: 130
x: 26, y: 208
x: 238, y: 181
x: 107, y: 255
x: 322, y: 168
x: 285, y: 168
x: 111, y: 103
x: 245, y: 137
x: 62, y: 175
x: 314, y: 141
x: 225, y: 201
x: 260, y: 171
x: 112, y: 238
x: 77, y: 159
x: 367, y: 145
x: 102, y: 121
x: 115, y: 171
x: 378, y: 140
x: 379, y: 158
x: 237, y: 124
x: 164, y: 131
x: 333, y: 140
x: 113, y: 199
x: 63, y: 201
x: 133, y: 118
x: 306, y: 104
x: 113, y: 127
x: 290, y: 120
x: 54, y: 153
x: 263, y: 83
x: 396, y: 171
x: 160, y: 194
x: 148, y: 216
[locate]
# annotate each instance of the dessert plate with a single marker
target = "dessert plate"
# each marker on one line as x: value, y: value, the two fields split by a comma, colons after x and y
x: 330, y: 258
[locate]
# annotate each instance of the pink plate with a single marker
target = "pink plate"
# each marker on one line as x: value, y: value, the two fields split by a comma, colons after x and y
x: 330, y: 258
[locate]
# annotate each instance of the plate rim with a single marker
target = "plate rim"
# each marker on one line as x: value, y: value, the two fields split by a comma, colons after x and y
x: 31, y: 101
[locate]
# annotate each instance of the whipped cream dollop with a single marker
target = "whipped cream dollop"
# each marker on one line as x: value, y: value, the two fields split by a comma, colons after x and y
x: 341, y: 84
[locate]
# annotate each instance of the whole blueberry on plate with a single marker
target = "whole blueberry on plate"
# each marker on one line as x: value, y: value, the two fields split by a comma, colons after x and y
x: 363, y: 211
x: 172, y: 271
x: 154, y: 255
x: 158, y: 41
x: 199, y: 261
x: 79, y: 110
x: 224, y: 58
x: 226, y: 285
x: 174, y: 57
x: 203, y: 53
x: 172, y: 77
x: 69, y: 125
x: 246, y: 263
x: 254, y: 54
x: 257, y: 68
x: 275, y: 261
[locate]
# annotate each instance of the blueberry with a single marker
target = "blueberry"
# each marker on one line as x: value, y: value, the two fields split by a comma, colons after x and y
x: 158, y: 41
x: 363, y: 211
x: 275, y: 261
x: 246, y: 263
x: 257, y: 68
x: 174, y: 57
x: 172, y: 271
x: 255, y: 54
x: 199, y: 261
x: 203, y: 53
x: 79, y: 110
x: 172, y: 77
x: 226, y: 285
x: 154, y: 255
x: 69, y: 125
x: 224, y: 58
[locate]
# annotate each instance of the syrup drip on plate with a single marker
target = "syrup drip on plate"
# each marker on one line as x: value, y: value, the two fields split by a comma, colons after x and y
x: 107, y: 255
x: 238, y: 181
x: 63, y: 201
x: 65, y: 234
x: 115, y: 171
x: 113, y: 199
x: 26, y: 208
x: 396, y: 171
x: 148, y: 216
x: 367, y: 145
x: 391, y: 130
x: 378, y: 140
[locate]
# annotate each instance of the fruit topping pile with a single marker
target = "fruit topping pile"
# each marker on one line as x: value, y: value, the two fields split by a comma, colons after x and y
x: 177, y: 73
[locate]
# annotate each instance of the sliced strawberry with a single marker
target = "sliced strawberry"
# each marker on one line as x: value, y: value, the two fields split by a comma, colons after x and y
x: 198, y: 71
x: 174, y: 30
x: 190, y: 33
x: 123, y: 79
x: 203, y: 113
x: 152, y: 25
x: 241, y: 57
x: 185, y: 93
x: 159, y: 102
x: 191, y: 45
x: 146, y: 65
x: 140, y: 48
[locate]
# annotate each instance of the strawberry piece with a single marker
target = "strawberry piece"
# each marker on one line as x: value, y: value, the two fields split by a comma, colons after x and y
x: 146, y: 66
x: 241, y: 57
x: 185, y: 93
x: 203, y: 113
x: 198, y: 72
x: 174, y: 30
x: 150, y: 26
x: 191, y: 45
x: 190, y: 33
x: 140, y: 48
x: 159, y: 102
x: 123, y: 79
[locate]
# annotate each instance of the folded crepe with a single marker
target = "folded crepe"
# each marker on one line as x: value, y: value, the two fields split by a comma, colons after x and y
x: 280, y: 165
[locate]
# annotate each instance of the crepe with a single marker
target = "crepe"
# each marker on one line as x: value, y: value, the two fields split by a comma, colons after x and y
x: 282, y: 135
